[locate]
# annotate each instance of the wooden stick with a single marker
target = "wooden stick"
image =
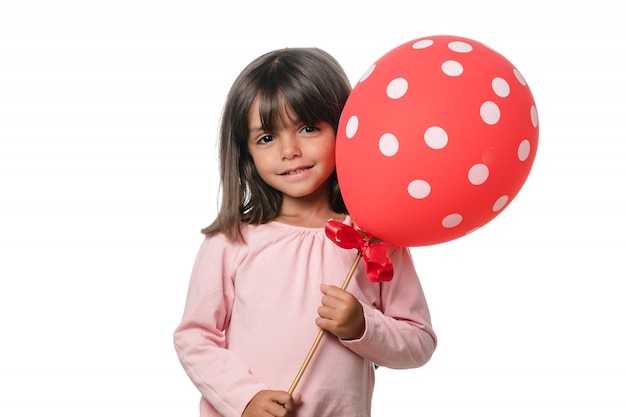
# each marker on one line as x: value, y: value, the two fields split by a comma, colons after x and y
x: 318, y: 339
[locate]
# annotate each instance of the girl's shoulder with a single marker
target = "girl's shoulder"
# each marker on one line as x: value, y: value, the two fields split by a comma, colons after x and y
x: 273, y: 233
x: 276, y: 230
x: 253, y: 233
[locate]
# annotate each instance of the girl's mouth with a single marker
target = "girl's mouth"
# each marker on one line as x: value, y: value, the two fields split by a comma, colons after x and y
x: 296, y: 171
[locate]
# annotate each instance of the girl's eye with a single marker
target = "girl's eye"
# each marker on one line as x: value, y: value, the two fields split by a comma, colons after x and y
x: 265, y: 139
x: 309, y: 129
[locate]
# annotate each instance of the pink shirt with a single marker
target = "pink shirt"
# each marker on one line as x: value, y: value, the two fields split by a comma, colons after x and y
x: 249, y: 322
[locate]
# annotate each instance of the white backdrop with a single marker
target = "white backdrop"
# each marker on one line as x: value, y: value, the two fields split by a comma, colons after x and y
x: 108, y: 116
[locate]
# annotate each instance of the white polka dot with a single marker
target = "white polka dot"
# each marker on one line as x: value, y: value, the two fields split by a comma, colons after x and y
x: 519, y: 77
x: 367, y: 73
x: 451, y: 220
x: 534, y: 117
x: 500, y: 87
x: 523, y: 150
x: 478, y: 174
x: 397, y: 88
x: 388, y: 144
x: 435, y: 137
x: 452, y: 68
x: 352, y: 126
x: 490, y: 112
x: 460, y: 46
x: 500, y: 202
x: 423, y: 43
x: 419, y: 189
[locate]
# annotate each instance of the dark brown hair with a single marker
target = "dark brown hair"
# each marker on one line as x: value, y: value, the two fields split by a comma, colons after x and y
x: 307, y: 83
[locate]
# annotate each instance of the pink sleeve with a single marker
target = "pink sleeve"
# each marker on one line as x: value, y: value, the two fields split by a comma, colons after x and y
x: 398, y: 334
x: 223, y: 378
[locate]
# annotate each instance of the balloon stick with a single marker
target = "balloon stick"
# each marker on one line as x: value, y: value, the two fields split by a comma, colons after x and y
x: 318, y: 339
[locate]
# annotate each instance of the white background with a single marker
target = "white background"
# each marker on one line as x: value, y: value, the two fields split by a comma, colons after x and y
x: 108, y: 116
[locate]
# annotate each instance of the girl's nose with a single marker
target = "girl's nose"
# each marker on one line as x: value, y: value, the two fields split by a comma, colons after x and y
x: 290, y: 148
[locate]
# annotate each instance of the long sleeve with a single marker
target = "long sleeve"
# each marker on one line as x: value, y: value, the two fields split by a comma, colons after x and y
x: 249, y: 322
x: 398, y: 331
x: 218, y: 373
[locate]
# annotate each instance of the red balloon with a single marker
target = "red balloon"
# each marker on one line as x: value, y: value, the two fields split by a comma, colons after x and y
x: 435, y: 140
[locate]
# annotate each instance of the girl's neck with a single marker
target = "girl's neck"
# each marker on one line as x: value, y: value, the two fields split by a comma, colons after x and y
x: 307, y: 213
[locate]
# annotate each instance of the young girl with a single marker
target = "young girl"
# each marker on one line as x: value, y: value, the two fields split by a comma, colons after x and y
x: 266, y: 277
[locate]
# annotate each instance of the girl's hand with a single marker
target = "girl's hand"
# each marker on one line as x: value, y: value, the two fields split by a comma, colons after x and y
x: 340, y: 313
x: 271, y: 403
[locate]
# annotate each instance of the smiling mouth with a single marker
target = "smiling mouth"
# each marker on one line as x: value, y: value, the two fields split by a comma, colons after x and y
x: 296, y: 171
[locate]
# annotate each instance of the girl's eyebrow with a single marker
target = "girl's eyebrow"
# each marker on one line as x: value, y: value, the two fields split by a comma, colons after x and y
x: 255, y: 131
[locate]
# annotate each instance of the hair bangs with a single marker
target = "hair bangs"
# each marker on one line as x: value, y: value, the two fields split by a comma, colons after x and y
x: 288, y: 95
x: 274, y: 111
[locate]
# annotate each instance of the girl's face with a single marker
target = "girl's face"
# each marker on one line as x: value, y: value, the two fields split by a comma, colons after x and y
x: 296, y: 159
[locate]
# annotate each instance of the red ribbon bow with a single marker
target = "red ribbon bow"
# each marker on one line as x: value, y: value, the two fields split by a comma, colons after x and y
x: 377, y: 264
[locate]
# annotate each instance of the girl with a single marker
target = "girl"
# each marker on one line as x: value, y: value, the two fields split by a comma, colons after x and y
x: 262, y: 284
